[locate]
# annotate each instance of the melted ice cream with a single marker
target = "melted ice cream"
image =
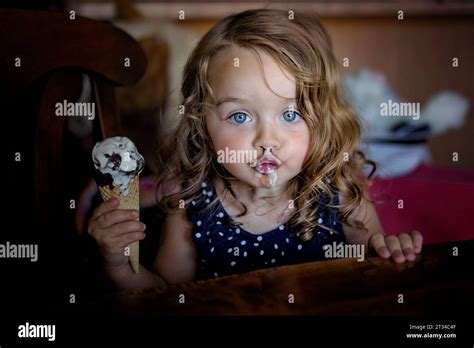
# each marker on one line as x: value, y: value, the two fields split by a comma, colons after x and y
x: 269, y: 180
x: 270, y: 177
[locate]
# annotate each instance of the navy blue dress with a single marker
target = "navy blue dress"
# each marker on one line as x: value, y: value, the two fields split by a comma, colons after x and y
x: 225, y: 249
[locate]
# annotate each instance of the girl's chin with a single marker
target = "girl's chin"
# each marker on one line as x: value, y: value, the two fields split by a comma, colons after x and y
x: 261, y: 180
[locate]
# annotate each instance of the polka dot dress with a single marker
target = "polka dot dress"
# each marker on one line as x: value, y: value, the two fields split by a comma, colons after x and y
x: 224, y: 249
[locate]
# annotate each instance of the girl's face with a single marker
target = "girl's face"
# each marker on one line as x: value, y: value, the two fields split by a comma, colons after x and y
x: 256, y: 109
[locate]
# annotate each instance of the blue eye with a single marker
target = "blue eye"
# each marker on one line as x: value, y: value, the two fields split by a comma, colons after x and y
x: 239, y: 118
x: 291, y: 116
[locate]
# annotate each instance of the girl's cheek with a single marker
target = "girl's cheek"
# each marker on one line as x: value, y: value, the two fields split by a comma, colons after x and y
x: 300, y: 146
x: 231, y: 139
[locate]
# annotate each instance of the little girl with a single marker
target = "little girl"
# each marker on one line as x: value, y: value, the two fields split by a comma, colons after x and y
x: 261, y: 168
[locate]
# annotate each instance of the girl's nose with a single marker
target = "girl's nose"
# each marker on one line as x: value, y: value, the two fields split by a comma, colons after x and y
x: 267, y: 137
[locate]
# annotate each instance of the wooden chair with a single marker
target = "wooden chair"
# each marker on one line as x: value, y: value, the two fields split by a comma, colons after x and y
x: 44, y: 56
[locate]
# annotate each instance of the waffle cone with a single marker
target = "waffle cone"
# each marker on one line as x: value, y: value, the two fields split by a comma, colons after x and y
x: 130, y: 201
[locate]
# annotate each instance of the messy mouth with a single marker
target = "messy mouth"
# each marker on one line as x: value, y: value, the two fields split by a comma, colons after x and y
x: 268, y: 164
x: 266, y: 169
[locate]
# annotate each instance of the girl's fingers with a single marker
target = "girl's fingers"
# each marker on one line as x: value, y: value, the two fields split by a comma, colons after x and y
x: 125, y: 227
x: 406, y: 244
x: 417, y: 239
x: 116, y: 216
x: 377, y: 241
x: 105, y: 207
x: 394, y: 246
x: 125, y: 239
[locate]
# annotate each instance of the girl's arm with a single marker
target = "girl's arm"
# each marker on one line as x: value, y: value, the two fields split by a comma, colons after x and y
x: 366, y: 213
x: 176, y: 257
x: 400, y: 248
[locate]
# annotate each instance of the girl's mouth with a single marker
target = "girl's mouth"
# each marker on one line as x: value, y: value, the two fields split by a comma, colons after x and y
x: 266, y: 169
x: 266, y: 165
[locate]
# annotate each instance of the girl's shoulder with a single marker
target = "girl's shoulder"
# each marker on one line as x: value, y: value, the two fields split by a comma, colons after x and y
x: 199, y: 208
x: 195, y: 209
x: 327, y: 200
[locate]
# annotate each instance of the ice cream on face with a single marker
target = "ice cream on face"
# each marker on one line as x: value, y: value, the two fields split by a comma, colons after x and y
x: 267, y: 168
x: 118, y: 161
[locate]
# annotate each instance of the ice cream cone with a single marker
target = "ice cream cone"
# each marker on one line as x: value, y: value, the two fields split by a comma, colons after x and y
x: 118, y: 165
x: 129, y: 201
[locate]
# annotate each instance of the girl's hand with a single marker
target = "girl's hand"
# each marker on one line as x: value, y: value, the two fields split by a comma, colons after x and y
x: 401, y: 248
x: 114, y: 229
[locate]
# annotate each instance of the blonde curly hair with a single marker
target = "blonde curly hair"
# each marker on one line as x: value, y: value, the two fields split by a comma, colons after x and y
x: 304, y: 48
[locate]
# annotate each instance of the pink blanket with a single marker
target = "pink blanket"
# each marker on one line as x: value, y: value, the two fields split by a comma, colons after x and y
x: 436, y: 201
